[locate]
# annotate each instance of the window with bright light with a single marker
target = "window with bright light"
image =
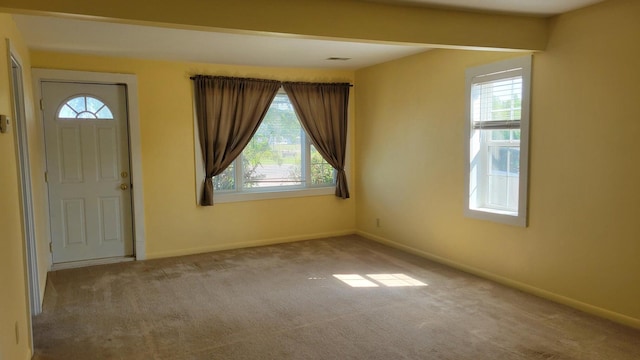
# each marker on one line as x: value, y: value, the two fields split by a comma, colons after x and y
x: 279, y: 157
x: 497, y: 143
x: 85, y: 107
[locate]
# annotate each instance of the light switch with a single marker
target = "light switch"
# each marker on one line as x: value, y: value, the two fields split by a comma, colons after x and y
x: 4, y: 123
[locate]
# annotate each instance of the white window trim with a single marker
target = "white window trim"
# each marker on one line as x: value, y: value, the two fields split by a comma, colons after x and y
x: 504, y: 217
x: 226, y: 197
x: 255, y: 195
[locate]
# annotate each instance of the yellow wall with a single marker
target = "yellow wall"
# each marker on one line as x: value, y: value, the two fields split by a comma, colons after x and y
x: 345, y: 19
x: 582, y: 244
x: 174, y: 224
x: 13, y: 297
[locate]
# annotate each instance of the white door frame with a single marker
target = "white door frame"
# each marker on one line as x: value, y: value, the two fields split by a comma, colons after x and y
x: 131, y: 85
x: 16, y: 81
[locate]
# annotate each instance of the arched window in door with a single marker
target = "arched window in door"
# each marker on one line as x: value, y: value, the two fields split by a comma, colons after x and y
x: 85, y: 107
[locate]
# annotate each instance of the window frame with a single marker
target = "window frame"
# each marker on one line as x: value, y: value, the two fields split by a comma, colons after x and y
x: 264, y: 193
x: 489, y: 72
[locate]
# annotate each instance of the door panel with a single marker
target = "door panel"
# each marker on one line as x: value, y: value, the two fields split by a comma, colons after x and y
x: 73, y: 219
x: 70, y: 161
x: 110, y: 216
x: 88, y: 166
x: 107, y: 156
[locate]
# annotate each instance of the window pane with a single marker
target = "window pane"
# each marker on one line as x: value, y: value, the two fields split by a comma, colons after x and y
x: 93, y: 104
x: 504, y: 160
x: 497, y: 100
x: 104, y: 113
x: 503, y: 193
x: 274, y: 154
x: 86, y: 115
x: 503, y: 177
x: 499, y: 135
x: 226, y: 180
x: 77, y: 104
x: 321, y: 172
x: 503, y: 136
x: 67, y: 113
x: 515, y: 135
x: 498, y: 160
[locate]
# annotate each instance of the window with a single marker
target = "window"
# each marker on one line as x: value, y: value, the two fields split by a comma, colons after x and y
x: 497, y: 142
x: 278, y: 158
x: 85, y: 107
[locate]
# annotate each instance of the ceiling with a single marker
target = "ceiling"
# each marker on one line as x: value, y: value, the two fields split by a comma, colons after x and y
x: 521, y: 7
x: 147, y: 42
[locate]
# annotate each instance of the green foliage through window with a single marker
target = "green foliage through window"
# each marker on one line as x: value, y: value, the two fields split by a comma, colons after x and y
x: 275, y: 156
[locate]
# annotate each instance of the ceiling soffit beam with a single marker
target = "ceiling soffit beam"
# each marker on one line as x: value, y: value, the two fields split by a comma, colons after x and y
x: 334, y: 19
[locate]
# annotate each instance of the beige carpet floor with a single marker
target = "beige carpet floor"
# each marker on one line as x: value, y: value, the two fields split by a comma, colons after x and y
x: 285, y: 302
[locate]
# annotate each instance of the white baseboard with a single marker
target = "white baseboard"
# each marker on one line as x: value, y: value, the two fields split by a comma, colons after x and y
x: 84, y: 263
x: 576, y: 304
x: 247, y: 244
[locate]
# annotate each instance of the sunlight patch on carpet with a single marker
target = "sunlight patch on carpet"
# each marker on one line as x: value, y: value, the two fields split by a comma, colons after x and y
x: 396, y: 280
x: 390, y: 280
x: 354, y: 280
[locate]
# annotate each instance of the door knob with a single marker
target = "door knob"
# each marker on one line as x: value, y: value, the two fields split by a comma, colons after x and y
x: 124, y: 186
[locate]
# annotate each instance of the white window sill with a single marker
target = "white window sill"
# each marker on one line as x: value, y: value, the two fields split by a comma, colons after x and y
x: 498, y: 216
x: 495, y: 211
x: 228, y: 197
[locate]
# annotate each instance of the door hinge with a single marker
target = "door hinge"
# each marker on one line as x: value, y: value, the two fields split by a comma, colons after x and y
x: 46, y: 176
x: 41, y: 105
x: 51, y: 248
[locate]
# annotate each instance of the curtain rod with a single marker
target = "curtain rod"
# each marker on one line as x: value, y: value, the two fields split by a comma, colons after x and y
x: 282, y: 82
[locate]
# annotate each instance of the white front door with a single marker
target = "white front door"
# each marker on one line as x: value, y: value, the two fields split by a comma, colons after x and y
x: 88, y: 172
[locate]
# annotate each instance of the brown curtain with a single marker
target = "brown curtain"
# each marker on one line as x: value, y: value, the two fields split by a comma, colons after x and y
x: 322, y: 110
x: 229, y: 112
